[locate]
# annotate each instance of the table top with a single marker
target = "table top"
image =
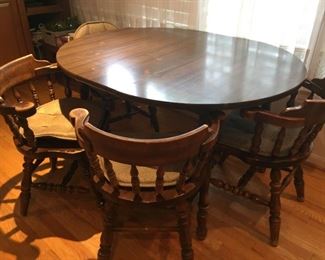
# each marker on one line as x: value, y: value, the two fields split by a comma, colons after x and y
x: 182, y: 68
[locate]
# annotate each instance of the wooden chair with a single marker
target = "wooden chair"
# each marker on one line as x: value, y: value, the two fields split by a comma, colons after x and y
x: 280, y: 142
x: 39, y: 130
x: 108, y: 100
x: 149, y: 173
x: 93, y: 27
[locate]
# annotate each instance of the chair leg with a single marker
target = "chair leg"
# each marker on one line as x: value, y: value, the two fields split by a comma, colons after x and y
x: 153, y: 117
x: 220, y: 157
x: 299, y: 184
x: 107, y: 237
x: 37, y: 163
x: 26, y: 185
x: 128, y: 108
x: 84, y: 92
x: 67, y: 87
x: 275, y: 206
x: 183, y: 212
x: 202, y: 231
x: 53, y: 161
x: 104, y: 122
x: 245, y: 178
x: 99, y: 197
x: 70, y: 173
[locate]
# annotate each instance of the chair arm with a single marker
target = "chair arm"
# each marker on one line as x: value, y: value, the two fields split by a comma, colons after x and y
x: 25, y: 109
x: 267, y: 117
x: 47, y: 70
x: 78, y: 118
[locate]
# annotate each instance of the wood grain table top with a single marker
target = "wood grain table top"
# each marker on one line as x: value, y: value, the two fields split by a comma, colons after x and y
x: 182, y: 68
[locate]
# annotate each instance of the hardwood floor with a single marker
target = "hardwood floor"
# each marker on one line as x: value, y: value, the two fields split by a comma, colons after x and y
x: 67, y: 226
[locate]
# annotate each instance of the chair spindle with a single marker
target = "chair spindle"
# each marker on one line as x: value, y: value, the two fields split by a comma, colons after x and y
x: 17, y: 95
x: 111, y: 174
x: 279, y: 141
x: 50, y: 86
x: 135, y: 182
x: 257, y: 139
x: 160, y: 182
x: 34, y: 94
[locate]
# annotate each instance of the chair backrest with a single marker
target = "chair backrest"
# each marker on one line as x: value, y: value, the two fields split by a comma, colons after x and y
x: 191, y: 150
x: 315, y: 87
x: 15, y: 110
x: 302, y: 123
x: 93, y: 27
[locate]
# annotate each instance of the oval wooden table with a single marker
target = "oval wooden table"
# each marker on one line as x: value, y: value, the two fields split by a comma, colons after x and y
x: 182, y: 68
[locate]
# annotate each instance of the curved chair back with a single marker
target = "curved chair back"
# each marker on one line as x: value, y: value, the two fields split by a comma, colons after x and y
x: 13, y: 107
x: 300, y: 124
x: 189, y: 151
x: 289, y: 134
x: 93, y: 27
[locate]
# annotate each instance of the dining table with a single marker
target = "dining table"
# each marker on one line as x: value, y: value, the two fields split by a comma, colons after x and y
x: 180, y: 68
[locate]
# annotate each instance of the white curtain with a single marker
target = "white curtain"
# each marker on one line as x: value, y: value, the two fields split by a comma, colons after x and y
x: 140, y: 13
x: 290, y: 24
x: 283, y: 23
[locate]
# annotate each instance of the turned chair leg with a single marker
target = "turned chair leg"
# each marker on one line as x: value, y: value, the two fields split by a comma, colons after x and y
x: 201, y: 231
x: 153, y: 117
x: 299, y: 184
x: 128, y: 108
x: 53, y: 161
x: 220, y: 157
x: 245, y: 178
x: 275, y: 206
x: 183, y: 212
x: 107, y: 237
x: 86, y: 169
x: 84, y: 92
x: 70, y: 173
x: 26, y: 185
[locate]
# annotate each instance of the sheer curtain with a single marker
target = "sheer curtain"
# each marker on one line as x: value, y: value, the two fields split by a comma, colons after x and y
x: 283, y: 23
x: 290, y: 24
x: 140, y: 13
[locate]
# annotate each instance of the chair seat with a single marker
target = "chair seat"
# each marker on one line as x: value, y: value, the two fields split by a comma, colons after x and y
x: 147, y: 175
x: 52, y: 118
x: 237, y: 132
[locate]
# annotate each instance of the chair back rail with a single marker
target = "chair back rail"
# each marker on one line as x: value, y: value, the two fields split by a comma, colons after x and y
x: 190, y: 150
x: 16, y: 110
x: 309, y: 118
x: 93, y: 27
x: 315, y: 86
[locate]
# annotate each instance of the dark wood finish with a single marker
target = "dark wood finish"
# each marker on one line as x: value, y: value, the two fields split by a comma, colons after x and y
x: 12, y: 44
x: 310, y: 117
x: 95, y: 27
x: 237, y: 227
x: 191, y: 149
x: 182, y: 68
x: 16, y: 111
x: 46, y: 9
